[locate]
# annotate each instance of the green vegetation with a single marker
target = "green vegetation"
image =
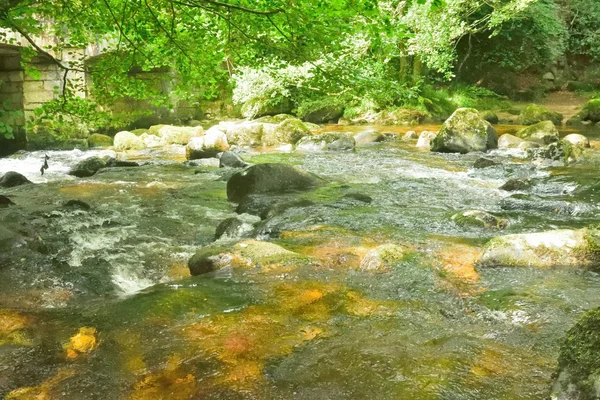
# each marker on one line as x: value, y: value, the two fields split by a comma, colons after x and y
x: 309, y: 57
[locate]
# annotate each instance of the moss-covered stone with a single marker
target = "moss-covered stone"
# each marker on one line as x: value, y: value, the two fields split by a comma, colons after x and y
x: 246, y: 254
x: 480, y: 219
x: 533, y: 113
x: 590, y: 111
x: 490, y: 117
x: 543, y: 133
x: 269, y: 178
x: 381, y: 257
x: 579, y: 360
x: 463, y: 132
x: 99, y: 140
x: 559, y: 248
x: 321, y: 111
x: 289, y: 131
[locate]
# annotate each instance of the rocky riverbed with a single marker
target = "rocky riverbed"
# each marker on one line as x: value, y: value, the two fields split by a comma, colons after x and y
x: 355, y: 265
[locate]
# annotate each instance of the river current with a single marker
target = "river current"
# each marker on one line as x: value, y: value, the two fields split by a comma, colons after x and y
x: 432, y: 327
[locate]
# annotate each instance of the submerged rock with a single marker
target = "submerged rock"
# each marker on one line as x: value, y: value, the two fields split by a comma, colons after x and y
x: 269, y: 178
x: 381, y: 257
x: 78, y: 204
x: 207, y: 146
x: 543, y: 133
x: 465, y: 131
x: 363, y: 198
x: 128, y: 141
x: 477, y: 218
x: 99, y: 140
x: 232, y: 160
x: 425, y: 139
x: 5, y: 201
x: 12, y: 179
x: 327, y: 142
x: 87, y: 167
x: 579, y: 361
x: 533, y: 113
x: 559, y: 248
x: 516, y: 184
x: 248, y: 254
x: 577, y: 139
x: 483, y: 162
x: 234, y: 228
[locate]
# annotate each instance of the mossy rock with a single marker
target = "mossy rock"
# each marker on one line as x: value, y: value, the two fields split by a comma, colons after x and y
x: 87, y: 167
x: 465, y: 131
x: 321, y: 111
x: 533, y: 113
x: 402, y: 116
x: 552, y: 249
x: 128, y: 141
x: 382, y: 257
x: 266, y: 106
x: 579, y: 360
x: 274, y: 119
x: 289, y: 131
x: 544, y: 133
x: 141, y: 131
x: 248, y: 254
x: 479, y: 219
x: 99, y: 140
x: 590, y: 111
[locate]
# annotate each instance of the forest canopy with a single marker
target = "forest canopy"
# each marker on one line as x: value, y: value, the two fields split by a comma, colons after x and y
x: 373, y: 54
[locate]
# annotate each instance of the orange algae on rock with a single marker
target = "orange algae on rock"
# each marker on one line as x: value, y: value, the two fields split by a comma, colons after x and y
x: 83, y: 342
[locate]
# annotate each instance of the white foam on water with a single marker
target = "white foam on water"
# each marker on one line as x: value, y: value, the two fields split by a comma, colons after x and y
x: 59, y: 164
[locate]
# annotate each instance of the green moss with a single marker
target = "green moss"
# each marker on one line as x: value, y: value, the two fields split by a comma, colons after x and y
x: 590, y: 111
x: 580, y: 354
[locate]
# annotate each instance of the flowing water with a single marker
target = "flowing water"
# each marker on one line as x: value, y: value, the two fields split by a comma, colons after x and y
x: 99, y: 304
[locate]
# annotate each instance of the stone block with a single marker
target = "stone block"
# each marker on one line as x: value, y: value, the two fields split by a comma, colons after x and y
x: 15, y: 76
x: 11, y: 63
x: 32, y: 86
x: 40, y: 96
x: 51, y: 85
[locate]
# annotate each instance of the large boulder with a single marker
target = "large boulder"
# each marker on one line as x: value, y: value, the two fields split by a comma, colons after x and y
x: 179, y: 134
x: 12, y: 179
x: 99, y: 140
x: 543, y: 133
x: 590, y: 111
x: 87, y: 167
x: 533, y: 113
x: 128, y: 141
x: 248, y: 254
x: 207, y: 146
x: 463, y: 132
x: 578, y: 375
x: 327, y: 142
x: 577, y: 139
x: 268, y: 178
x: 559, y: 248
